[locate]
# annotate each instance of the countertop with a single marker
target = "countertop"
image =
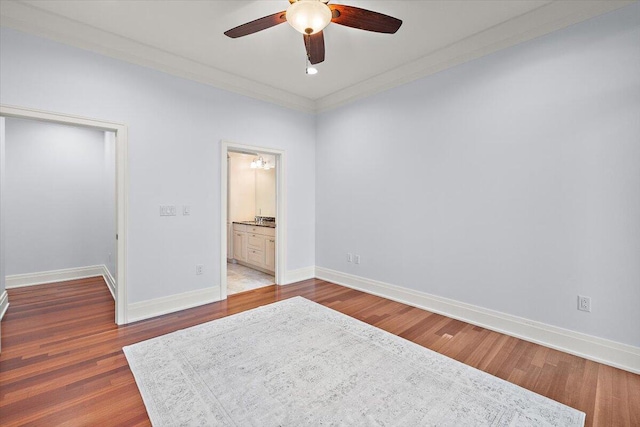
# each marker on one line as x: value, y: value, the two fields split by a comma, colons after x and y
x: 266, y: 224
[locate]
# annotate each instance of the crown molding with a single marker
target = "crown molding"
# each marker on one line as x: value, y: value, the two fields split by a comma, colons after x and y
x: 543, y: 20
x: 23, y: 17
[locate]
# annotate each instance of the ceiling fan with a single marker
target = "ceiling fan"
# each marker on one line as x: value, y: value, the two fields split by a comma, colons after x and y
x: 310, y: 17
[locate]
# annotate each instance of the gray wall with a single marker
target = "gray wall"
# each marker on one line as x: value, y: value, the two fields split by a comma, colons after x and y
x: 175, y: 128
x: 511, y: 182
x: 60, y: 206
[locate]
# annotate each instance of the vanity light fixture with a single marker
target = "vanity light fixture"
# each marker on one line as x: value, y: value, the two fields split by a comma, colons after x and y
x: 260, y: 163
x: 257, y: 163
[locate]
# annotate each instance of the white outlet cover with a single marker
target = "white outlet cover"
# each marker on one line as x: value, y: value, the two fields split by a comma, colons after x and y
x: 584, y: 303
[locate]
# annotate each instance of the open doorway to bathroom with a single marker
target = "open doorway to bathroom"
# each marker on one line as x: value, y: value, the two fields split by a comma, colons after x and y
x: 253, y: 222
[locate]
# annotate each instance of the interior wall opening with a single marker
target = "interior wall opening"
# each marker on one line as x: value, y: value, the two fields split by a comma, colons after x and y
x: 251, y: 220
x: 115, y: 137
x: 59, y: 203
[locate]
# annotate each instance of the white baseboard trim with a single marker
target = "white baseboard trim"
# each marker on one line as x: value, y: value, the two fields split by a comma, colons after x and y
x: 43, y: 277
x: 172, y: 303
x: 300, y: 274
x: 600, y: 350
x: 109, y: 280
x: 4, y: 303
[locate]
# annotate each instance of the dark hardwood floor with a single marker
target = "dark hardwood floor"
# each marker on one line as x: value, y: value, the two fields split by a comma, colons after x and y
x: 62, y: 360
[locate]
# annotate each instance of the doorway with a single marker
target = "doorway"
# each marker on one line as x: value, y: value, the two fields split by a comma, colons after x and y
x: 119, y: 140
x: 253, y: 219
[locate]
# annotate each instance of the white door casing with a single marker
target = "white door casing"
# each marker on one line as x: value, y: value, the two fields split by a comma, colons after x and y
x: 122, y: 186
x: 281, y: 228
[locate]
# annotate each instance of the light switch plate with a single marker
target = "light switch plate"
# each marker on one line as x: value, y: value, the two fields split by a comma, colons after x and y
x: 167, y: 210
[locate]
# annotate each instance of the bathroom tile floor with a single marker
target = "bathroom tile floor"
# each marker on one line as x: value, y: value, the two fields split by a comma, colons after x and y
x: 241, y: 278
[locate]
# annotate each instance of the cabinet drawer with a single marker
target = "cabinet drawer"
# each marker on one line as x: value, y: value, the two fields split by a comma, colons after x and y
x: 265, y: 231
x: 255, y: 241
x: 255, y: 257
x: 239, y: 227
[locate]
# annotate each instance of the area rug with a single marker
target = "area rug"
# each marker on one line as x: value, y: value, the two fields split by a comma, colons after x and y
x: 298, y: 363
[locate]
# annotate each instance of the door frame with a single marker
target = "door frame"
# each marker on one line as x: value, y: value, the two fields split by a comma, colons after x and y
x: 122, y: 187
x: 281, y: 219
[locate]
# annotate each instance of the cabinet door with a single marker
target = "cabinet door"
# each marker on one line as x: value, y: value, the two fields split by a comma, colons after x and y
x: 270, y: 254
x: 240, y: 246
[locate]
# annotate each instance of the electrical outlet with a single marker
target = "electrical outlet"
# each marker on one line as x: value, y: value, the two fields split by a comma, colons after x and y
x: 584, y: 303
x: 199, y: 268
x: 357, y: 259
x: 349, y: 257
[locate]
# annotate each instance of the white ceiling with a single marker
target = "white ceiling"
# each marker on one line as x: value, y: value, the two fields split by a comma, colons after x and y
x: 186, y: 38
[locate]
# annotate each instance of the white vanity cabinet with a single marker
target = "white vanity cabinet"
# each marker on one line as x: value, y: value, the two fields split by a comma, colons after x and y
x: 254, y: 246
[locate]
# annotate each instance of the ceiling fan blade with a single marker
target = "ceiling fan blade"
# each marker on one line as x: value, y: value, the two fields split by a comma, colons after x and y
x: 257, y: 25
x: 364, y: 19
x: 315, y: 47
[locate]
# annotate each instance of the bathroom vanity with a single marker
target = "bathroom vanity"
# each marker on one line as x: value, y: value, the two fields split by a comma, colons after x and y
x: 254, y: 245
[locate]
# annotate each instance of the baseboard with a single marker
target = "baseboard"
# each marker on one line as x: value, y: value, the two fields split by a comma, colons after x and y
x: 4, y: 304
x: 43, y: 277
x: 172, y: 303
x: 109, y: 280
x: 600, y: 350
x: 299, y: 275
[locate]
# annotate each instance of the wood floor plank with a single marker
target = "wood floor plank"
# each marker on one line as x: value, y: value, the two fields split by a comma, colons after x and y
x: 62, y: 362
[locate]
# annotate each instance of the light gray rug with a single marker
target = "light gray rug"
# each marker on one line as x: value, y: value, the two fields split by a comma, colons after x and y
x: 296, y: 363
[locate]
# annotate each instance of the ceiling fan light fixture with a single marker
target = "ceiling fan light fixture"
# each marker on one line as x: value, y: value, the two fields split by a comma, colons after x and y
x: 308, y: 16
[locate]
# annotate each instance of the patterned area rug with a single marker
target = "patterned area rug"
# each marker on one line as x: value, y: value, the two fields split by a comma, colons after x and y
x: 295, y: 363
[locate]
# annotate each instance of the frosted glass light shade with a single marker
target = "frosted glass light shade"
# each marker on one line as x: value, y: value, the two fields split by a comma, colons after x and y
x: 308, y: 16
